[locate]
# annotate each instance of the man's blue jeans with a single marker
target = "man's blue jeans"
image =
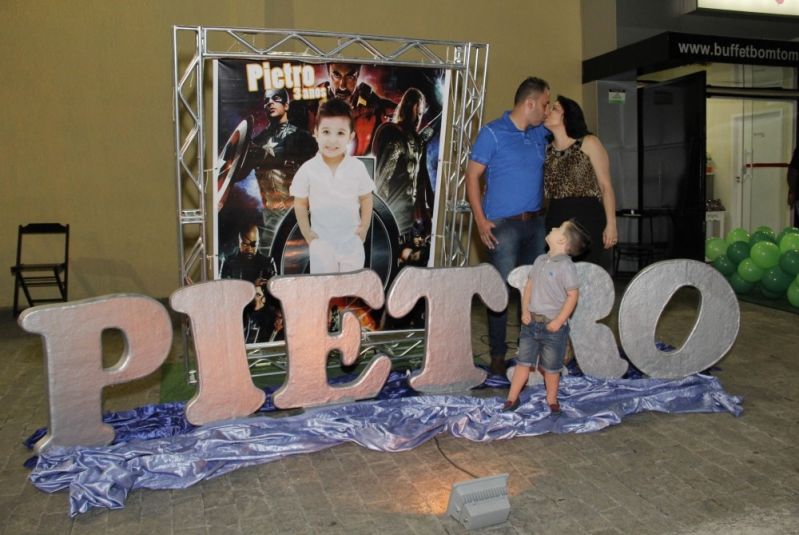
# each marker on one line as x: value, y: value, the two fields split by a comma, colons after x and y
x: 520, y: 243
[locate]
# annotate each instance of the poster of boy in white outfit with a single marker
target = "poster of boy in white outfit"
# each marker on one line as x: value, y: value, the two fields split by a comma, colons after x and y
x: 337, y: 191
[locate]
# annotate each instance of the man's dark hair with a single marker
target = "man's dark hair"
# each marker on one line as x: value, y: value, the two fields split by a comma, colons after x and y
x: 356, y: 67
x: 334, y: 107
x: 577, y: 237
x: 573, y: 118
x: 530, y: 87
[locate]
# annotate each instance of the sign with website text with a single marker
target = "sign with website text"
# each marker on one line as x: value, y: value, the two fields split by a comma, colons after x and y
x: 733, y: 50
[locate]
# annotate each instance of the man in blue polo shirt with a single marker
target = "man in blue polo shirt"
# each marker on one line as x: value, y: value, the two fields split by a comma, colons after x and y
x: 509, y: 154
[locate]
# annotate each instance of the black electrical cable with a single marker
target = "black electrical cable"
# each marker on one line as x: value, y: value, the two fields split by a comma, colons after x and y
x: 450, y: 461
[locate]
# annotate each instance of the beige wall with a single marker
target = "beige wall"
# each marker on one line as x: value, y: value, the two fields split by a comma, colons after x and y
x: 599, y: 37
x: 599, y: 27
x: 526, y: 37
x: 87, y: 135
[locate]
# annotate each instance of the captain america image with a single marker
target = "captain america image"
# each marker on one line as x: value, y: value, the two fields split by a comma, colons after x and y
x: 278, y: 151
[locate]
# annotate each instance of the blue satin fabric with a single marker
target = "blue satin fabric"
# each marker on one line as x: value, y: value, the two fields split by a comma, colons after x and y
x: 168, y: 419
x: 103, y: 476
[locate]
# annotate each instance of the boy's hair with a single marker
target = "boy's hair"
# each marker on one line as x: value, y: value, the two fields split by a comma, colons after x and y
x: 577, y: 238
x: 334, y: 107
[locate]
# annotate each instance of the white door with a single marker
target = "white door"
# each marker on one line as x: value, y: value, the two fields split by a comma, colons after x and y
x: 759, y: 148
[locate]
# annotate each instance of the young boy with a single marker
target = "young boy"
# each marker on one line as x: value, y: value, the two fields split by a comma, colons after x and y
x: 548, y: 299
x: 338, y: 190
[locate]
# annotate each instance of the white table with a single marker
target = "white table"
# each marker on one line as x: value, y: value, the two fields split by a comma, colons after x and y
x: 714, y: 224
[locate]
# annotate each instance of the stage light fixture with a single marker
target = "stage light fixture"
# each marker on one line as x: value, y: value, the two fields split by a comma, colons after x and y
x: 479, y: 503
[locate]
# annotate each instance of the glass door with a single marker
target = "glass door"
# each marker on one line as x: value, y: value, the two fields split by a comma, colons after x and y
x: 672, y: 167
x: 750, y: 141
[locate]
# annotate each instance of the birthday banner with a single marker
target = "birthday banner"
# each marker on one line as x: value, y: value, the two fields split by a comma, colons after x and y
x: 264, y: 123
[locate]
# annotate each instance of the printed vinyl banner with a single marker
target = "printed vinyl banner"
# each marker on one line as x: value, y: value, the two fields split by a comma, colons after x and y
x: 265, y: 121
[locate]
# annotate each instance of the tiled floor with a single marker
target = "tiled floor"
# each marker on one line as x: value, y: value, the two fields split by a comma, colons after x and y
x: 653, y: 473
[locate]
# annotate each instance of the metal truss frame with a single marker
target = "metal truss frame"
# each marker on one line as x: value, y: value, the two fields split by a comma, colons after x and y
x: 193, y: 46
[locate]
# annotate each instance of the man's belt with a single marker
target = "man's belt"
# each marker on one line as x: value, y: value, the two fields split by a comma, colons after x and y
x: 525, y: 216
x: 540, y: 318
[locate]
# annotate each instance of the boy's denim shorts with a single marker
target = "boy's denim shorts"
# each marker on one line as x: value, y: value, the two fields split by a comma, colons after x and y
x: 535, y: 340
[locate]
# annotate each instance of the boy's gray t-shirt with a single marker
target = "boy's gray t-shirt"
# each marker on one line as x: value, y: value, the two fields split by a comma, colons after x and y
x: 552, y: 277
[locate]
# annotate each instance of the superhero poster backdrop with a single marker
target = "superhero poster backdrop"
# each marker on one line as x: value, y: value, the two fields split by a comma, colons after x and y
x: 264, y: 123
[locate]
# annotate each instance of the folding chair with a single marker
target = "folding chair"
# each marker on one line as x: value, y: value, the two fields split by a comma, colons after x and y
x: 53, y: 274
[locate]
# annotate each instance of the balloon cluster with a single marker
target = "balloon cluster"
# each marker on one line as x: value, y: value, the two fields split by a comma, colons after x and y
x: 763, y: 259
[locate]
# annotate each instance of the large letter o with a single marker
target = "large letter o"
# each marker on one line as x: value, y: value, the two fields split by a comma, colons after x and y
x: 643, y: 302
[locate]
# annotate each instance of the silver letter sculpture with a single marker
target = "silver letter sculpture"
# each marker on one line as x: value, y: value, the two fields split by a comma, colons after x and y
x: 72, y: 335
x: 73, y: 357
x: 306, y: 300
x: 225, y: 386
x: 712, y: 335
x: 449, y: 358
x: 594, y: 345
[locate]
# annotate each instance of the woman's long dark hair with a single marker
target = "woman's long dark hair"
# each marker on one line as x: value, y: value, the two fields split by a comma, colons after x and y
x: 573, y: 118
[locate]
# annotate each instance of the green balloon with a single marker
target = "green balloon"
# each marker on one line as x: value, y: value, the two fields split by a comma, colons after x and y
x: 737, y: 234
x: 789, y: 262
x: 714, y: 248
x: 765, y: 254
x: 767, y: 229
x: 775, y: 280
x: 789, y: 242
x: 738, y: 251
x: 761, y: 235
x: 725, y: 266
x: 768, y: 294
x: 793, y: 295
x: 783, y: 232
x: 739, y: 285
x: 786, y: 230
x: 749, y: 271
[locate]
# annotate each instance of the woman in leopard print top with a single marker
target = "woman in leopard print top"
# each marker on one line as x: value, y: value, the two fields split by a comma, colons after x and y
x: 577, y: 179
